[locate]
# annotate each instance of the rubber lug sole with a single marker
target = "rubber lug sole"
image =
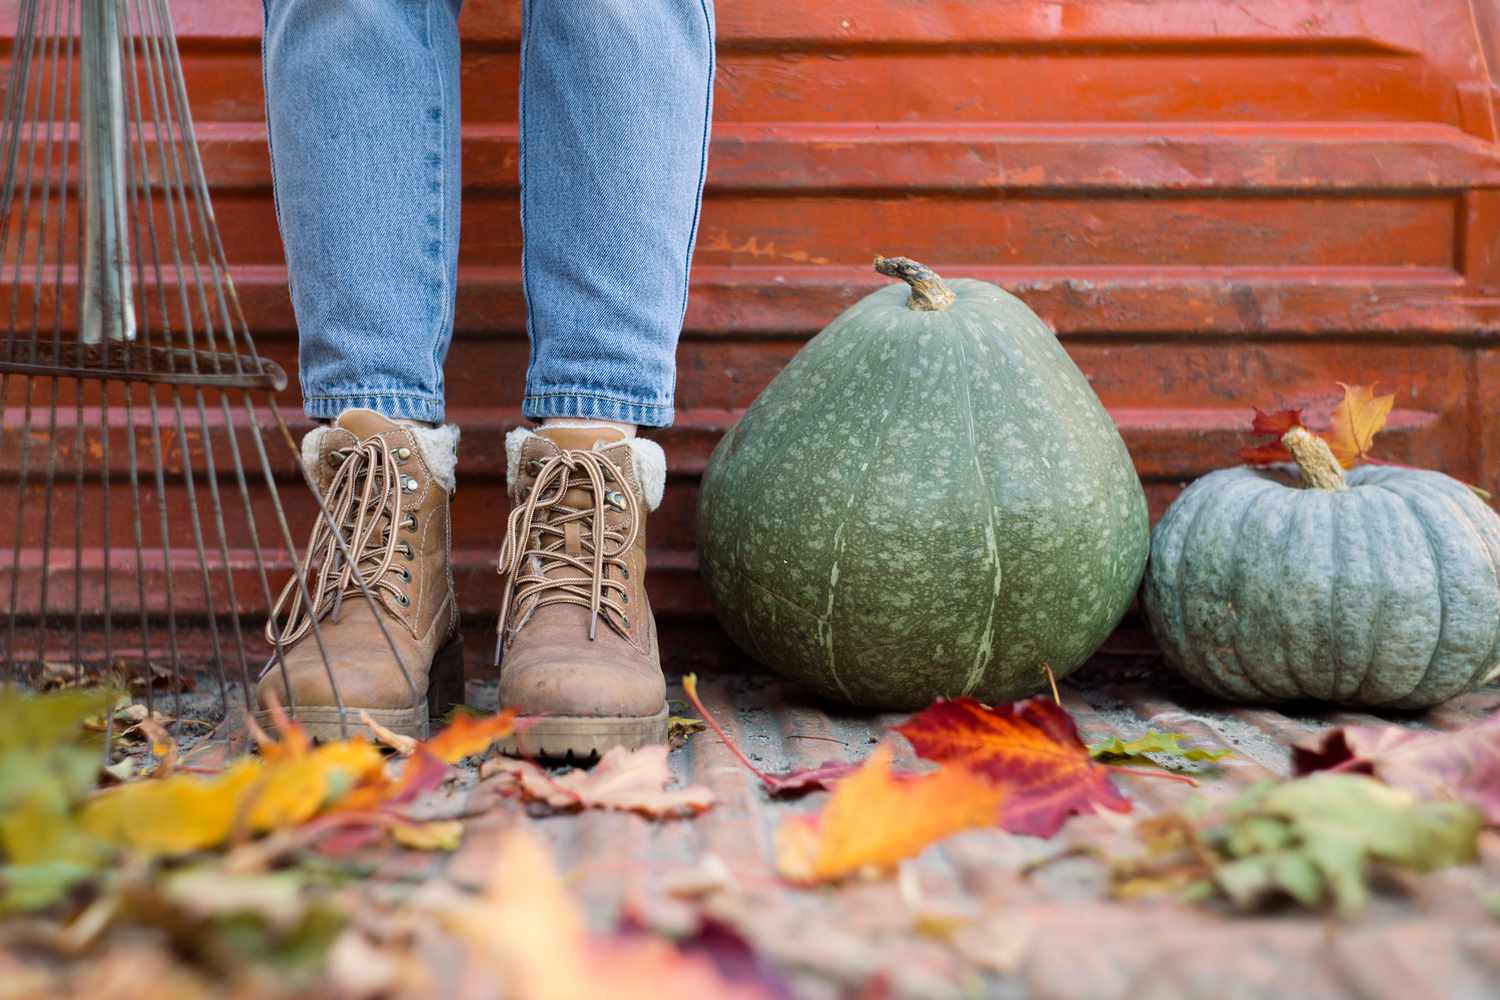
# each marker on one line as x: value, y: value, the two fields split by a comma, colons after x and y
x: 583, y: 737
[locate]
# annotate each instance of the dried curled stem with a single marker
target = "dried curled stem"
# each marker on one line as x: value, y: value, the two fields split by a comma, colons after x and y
x: 928, y: 293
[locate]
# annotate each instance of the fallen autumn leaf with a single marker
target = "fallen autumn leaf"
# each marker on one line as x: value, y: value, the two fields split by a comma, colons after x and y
x: 1463, y: 764
x: 876, y: 818
x: 630, y: 780
x: 1030, y: 748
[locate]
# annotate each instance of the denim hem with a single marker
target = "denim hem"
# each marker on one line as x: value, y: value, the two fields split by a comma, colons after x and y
x: 582, y: 403
x: 394, y: 405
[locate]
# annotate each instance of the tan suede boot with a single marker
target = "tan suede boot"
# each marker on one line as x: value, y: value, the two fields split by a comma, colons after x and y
x: 577, y: 641
x: 386, y: 487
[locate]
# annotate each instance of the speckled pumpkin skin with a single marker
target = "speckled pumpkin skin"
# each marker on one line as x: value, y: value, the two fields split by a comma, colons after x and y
x: 1387, y: 593
x: 924, y: 504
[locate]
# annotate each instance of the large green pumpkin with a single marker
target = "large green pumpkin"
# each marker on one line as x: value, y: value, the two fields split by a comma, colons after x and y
x: 929, y: 500
x: 1382, y: 589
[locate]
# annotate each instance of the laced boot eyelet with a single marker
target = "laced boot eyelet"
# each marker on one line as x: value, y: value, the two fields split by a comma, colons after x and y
x: 409, y: 522
x: 403, y: 600
x: 625, y: 572
x: 402, y: 454
x: 405, y: 549
x: 404, y: 574
x: 336, y: 458
x: 615, y: 499
x: 410, y: 485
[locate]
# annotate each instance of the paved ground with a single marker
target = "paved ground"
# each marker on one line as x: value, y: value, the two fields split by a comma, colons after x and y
x: 963, y: 920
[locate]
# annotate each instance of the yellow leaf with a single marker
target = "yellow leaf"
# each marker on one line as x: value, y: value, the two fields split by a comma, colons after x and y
x: 437, y: 835
x: 186, y: 812
x: 876, y: 818
x: 292, y: 791
x: 176, y: 815
x: 1356, y: 420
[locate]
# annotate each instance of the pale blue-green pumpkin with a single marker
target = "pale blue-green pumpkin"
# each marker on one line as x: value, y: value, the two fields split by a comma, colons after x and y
x: 928, y: 501
x: 1377, y: 587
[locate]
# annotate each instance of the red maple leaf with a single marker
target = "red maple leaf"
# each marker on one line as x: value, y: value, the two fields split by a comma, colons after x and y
x: 1463, y: 763
x: 1030, y: 747
x: 1276, y: 423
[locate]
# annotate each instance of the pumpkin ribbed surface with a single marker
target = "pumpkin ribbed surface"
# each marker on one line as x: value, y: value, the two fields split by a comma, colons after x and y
x: 1385, y: 593
x: 924, y: 502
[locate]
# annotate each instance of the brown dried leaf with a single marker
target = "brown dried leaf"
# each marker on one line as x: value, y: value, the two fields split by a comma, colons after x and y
x: 403, y: 745
x: 629, y: 780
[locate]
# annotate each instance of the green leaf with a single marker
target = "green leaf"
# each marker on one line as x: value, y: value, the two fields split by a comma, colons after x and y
x: 1335, y: 825
x: 1145, y: 748
x: 35, y: 887
x: 35, y: 722
x: 1314, y: 840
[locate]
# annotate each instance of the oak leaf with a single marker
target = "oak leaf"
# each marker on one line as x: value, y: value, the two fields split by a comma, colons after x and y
x: 1356, y: 420
x: 628, y: 780
x: 876, y: 818
x: 1462, y: 764
x: 1030, y: 748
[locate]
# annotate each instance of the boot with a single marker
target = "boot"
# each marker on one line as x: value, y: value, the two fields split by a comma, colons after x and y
x: 577, y: 641
x: 386, y: 488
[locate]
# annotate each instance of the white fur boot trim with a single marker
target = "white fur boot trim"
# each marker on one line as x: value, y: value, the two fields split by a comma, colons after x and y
x: 439, y: 449
x: 647, y: 458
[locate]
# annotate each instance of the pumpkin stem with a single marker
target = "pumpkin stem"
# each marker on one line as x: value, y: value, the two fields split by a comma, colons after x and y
x: 928, y: 293
x: 1320, y: 470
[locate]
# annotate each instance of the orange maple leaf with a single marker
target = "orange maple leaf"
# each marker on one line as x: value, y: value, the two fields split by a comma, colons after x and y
x: 468, y: 735
x: 876, y: 818
x: 1029, y: 748
x: 1356, y: 420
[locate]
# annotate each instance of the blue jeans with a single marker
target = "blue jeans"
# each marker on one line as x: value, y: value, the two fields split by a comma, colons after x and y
x: 362, y: 103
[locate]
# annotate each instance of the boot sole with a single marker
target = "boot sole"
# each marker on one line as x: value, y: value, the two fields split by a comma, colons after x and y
x: 445, y: 690
x: 585, y: 737
x: 321, y: 723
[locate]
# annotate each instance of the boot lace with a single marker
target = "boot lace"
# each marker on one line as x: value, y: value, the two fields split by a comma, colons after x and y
x: 536, y: 539
x: 363, y: 504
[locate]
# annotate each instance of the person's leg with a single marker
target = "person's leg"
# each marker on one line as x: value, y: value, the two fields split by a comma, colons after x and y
x: 615, y: 108
x: 362, y: 109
